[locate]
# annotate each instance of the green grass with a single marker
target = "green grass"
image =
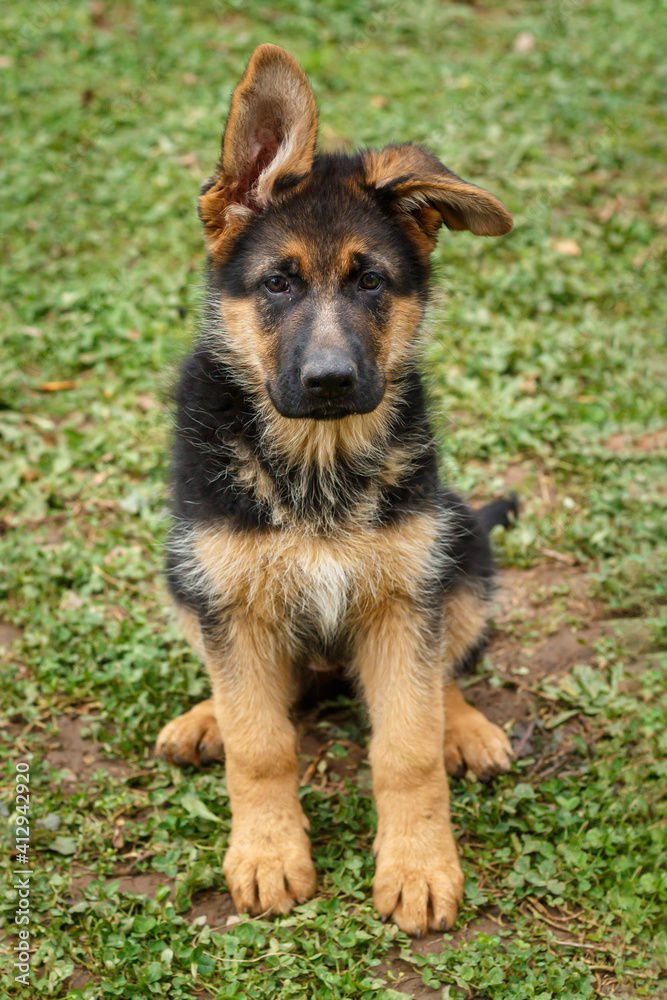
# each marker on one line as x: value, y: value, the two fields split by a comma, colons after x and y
x: 546, y: 368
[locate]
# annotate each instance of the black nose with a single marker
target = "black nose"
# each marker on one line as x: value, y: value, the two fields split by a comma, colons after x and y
x: 329, y: 375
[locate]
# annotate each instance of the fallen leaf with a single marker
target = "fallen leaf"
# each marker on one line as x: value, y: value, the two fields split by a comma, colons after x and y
x: 57, y: 386
x: 50, y: 822
x: 63, y: 845
x: 71, y: 601
x: 570, y: 248
x: 196, y: 807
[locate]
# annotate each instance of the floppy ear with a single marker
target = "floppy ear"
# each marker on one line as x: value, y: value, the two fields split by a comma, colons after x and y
x: 268, y: 143
x: 426, y: 194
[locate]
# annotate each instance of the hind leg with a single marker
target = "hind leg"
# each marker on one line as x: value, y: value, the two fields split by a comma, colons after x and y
x: 193, y: 738
x: 472, y: 743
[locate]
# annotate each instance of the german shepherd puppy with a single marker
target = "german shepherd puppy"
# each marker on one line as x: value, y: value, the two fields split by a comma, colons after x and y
x: 311, y: 531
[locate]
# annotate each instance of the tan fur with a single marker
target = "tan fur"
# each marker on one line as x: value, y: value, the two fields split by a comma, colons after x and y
x: 273, y: 111
x: 189, y: 626
x: 249, y: 472
x: 267, y: 865
x: 336, y: 579
x: 398, y: 343
x: 472, y: 743
x: 193, y: 738
x: 223, y: 222
x: 418, y: 877
x: 309, y: 441
x: 324, y: 442
x: 465, y: 617
x: 306, y: 257
x: 358, y: 439
x: 420, y: 185
x: 274, y: 95
x: 244, y: 340
x: 397, y: 464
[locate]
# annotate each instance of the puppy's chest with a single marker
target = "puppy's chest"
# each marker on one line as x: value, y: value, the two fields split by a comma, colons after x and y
x: 317, y: 583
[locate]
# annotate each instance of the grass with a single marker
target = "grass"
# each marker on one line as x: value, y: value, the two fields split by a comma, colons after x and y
x: 547, y: 368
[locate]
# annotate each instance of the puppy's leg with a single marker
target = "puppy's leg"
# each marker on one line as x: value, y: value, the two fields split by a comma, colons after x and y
x: 267, y: 865
x: 472, y: 743
x: 418, y: 878
x: 192, y: 738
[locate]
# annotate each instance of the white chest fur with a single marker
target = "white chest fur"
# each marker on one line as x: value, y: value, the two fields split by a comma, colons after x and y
x: 322, y: 580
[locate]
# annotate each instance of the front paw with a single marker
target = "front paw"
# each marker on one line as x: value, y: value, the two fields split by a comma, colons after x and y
x: 268, y: 866
x: 418, y: 881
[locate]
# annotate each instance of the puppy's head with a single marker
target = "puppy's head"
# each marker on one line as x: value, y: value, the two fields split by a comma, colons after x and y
x: 320, y: 263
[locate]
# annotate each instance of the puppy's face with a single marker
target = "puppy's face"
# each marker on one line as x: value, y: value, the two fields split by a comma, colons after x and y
x: 321, y: 295
x: 320, y: 263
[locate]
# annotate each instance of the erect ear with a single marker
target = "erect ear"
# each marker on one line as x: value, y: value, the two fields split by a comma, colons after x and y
x: 268, y: 143
x: 426, y: 194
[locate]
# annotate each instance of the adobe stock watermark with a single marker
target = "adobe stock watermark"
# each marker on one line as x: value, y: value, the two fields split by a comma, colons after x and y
x: 22, y: 873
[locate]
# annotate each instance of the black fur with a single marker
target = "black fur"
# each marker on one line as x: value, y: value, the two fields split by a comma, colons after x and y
x: 216, y: 414
x: 502, y: 511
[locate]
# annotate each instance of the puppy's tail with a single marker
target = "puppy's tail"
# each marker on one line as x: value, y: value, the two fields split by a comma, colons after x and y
x: 504, y: 511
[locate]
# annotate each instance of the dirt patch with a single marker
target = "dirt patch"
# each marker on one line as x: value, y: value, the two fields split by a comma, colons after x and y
x: 325, y: 762
x: 8, y: 635
x: 403, y: 978
x: 79, y: 979
x: 139, y: 884
x: 545, y: 622
x: 78, y: 757
x: 653, y: 441
x: 216, y: 906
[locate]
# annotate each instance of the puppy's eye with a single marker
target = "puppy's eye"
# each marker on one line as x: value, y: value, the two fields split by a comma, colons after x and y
x: 277, y: 284
x: 371, y: 281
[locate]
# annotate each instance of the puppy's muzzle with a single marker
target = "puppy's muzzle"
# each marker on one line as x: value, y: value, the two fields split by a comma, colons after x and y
x: 329, y: 375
